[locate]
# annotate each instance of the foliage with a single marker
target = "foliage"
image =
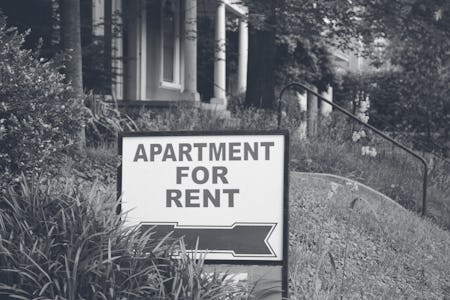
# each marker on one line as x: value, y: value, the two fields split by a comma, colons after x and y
x: 62, y: 240
x: 305, y: 32
x: 38, y: 117
x: 408, y: 41
x: 395, y: 106
x: 390, y: 171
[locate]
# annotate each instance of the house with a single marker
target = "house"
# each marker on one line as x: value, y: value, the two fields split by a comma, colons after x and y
x: 354, y: 61
x: 155, y: 49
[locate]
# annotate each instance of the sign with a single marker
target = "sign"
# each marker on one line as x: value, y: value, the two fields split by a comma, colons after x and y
x: 223, y: 192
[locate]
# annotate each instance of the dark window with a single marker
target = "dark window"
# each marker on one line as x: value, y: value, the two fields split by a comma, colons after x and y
x: 169, y: 32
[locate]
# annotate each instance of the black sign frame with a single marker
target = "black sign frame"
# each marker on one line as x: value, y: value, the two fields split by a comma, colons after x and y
x: 285, y: 133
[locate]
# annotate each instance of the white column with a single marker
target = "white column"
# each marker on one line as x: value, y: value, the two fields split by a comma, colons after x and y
x: 98, y: 17
x: 325, y: 108
x: 117, y: 49
x: 142, y: 51
x: 220, y: 56
x: 132, y: 59
x: 243, y: 56
x: 313, y: 107
x: 190, y: 51
x: 303, y: 104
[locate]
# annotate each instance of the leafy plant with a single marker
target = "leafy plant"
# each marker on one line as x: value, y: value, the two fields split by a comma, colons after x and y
x: 38, y: 117
x: 66, y: 242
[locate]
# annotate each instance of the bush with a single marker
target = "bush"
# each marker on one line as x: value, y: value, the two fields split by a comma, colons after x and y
x: 38, y: 117
x: 68, y: 243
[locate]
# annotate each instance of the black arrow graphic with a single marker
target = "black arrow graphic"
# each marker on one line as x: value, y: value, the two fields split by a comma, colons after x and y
x: 241, y: 239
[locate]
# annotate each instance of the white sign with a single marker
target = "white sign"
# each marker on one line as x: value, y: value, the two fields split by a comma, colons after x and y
x: 225, y: 189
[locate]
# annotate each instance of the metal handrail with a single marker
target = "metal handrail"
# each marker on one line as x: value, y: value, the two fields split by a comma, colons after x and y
x: 352, y: 116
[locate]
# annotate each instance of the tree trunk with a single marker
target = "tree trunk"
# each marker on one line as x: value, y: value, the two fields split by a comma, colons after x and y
x: 71, y: 43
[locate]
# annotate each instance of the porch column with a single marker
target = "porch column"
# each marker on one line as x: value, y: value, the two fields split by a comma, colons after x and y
x: 98, y: 17
x: 136, y: 66
x: 312, y: 113
x: 190, y: 51
x: 117, y: 50
x: 325, y: 108
x: 243, y: 55
x: 301, y: 133
x: 220, y: 56
x: 142, y: 50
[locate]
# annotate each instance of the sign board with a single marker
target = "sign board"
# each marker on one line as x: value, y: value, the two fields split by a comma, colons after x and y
x: 225, y: 192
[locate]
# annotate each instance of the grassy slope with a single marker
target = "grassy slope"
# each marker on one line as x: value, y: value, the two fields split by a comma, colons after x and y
x: 388, y: 252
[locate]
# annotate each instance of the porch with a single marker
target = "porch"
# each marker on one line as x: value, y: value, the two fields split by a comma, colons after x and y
x: 155, y: 52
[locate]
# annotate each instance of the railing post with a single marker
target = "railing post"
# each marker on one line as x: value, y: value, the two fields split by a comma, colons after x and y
x: 424, y: 189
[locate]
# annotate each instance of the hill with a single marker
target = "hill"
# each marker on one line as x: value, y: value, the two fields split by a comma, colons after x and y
x: 348, y: 241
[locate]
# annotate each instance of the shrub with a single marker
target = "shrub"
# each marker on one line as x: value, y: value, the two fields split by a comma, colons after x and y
x: 38, y: 117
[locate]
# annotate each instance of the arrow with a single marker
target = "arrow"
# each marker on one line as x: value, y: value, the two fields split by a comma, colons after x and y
x: 241, y: 239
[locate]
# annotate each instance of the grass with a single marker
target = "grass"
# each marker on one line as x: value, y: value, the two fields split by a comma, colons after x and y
x: 342, y: 248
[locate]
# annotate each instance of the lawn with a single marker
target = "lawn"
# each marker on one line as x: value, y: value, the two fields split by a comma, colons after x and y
x: 370, y: 248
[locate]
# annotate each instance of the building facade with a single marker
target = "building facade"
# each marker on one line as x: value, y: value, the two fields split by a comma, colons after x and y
x: 155, y: 49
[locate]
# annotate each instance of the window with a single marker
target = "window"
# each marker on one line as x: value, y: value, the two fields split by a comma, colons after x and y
x: 170, y: 42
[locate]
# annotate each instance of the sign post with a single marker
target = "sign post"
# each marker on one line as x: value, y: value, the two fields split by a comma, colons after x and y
x: 225, y: 193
